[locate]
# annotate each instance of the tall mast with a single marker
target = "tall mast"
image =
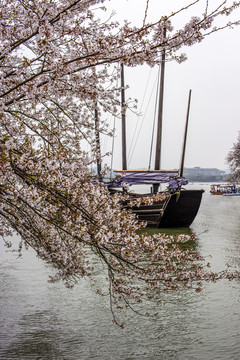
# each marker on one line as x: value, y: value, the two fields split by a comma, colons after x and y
x: 160, y: 111
x: 185, y: 135
x: 98, y: 146
x: 124, y: 146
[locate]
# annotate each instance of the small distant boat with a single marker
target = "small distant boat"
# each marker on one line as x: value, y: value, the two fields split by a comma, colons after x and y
x: 225, y: 189
x: 232, y: 194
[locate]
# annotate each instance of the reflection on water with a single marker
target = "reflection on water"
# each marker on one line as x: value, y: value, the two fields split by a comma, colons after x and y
x: 37, y: 336
x: 171, y: 231
x: 39, y: 320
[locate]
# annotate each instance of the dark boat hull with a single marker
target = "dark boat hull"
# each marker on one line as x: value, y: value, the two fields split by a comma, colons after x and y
x: 178, y: 210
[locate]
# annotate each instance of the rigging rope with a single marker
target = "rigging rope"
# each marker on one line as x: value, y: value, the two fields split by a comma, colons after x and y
x: 114, y: 129
x: 113, y: 142
x: 142, y: 122
x: 137, y: 123
x: 154, y: 121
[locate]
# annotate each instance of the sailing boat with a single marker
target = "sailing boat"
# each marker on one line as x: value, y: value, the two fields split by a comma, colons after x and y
x: 179, y: 206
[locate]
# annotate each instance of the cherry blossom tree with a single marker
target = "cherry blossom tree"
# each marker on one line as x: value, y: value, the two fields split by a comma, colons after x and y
x: 233, y: 160
x: 58, y: 68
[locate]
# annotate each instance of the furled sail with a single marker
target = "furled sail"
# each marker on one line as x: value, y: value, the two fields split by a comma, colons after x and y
x: 145, y: 177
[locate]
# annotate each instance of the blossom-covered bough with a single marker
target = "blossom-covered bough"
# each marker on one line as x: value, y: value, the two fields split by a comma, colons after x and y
x: 58, y: 61
x: 233, y: 159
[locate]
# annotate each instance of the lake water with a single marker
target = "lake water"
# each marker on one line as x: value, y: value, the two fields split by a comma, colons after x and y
x: 39, y: 320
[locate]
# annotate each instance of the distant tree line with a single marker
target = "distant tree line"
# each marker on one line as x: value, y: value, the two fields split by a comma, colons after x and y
x: 197, y: 174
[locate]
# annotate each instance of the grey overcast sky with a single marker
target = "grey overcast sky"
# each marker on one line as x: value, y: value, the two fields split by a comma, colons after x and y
x: 211, y: 71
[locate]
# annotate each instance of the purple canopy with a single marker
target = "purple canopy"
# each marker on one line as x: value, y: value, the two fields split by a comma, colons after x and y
x: 137, y: 178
